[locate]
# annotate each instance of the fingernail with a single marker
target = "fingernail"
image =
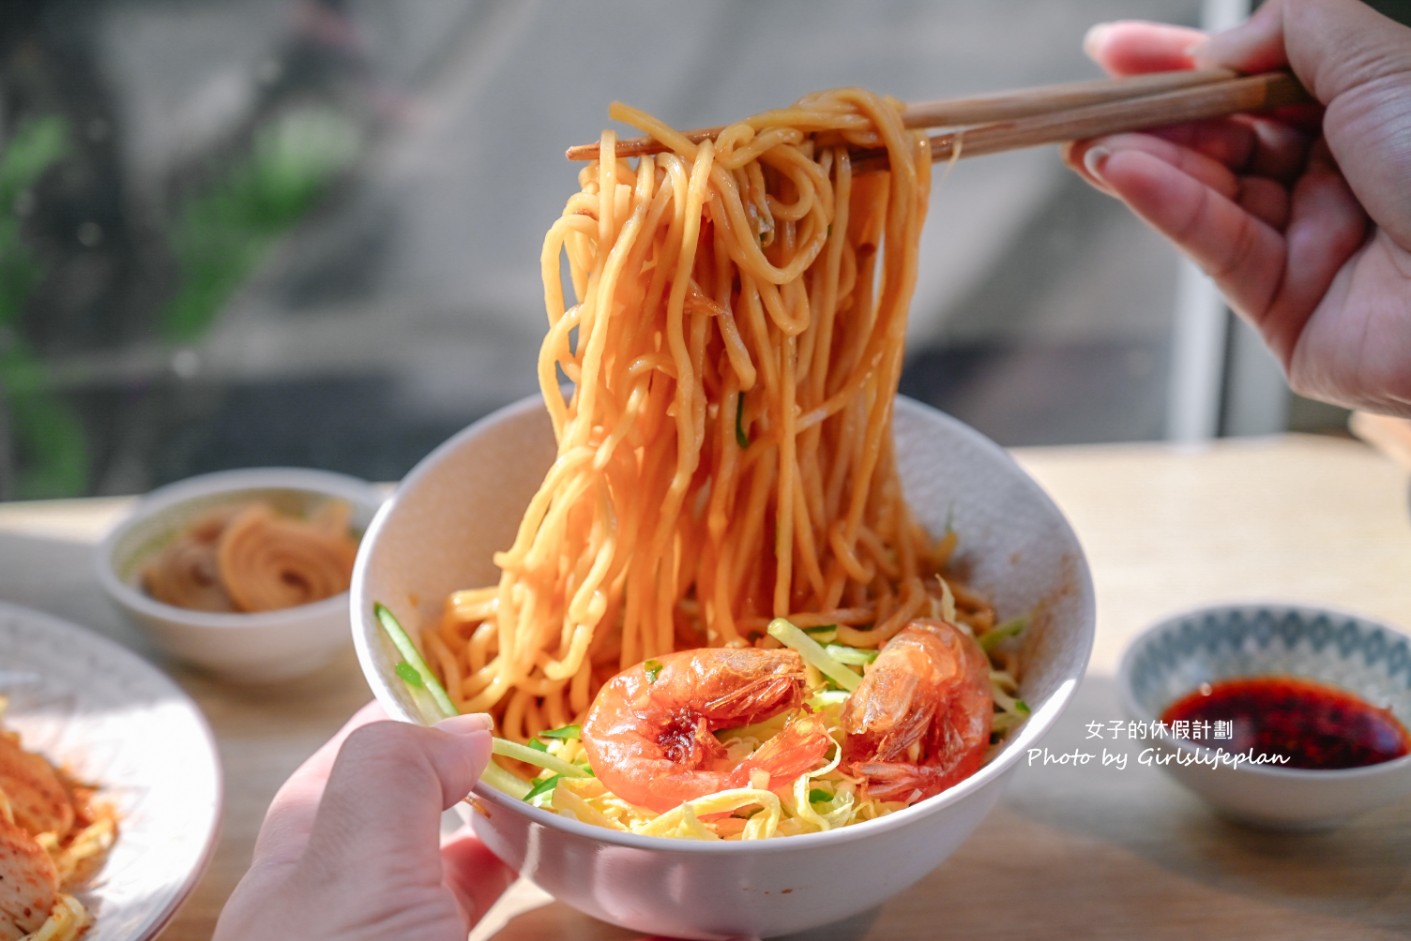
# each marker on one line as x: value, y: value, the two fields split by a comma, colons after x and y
x: 468, y: 724
x: 1199, y: 53
x: 1095, y: 160
x: 1094, y: 38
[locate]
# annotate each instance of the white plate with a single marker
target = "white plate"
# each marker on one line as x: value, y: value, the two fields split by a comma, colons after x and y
x: 104, y: 714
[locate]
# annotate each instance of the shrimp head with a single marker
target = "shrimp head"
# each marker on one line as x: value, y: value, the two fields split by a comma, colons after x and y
x: 920, y: 720
x: 650, y: 732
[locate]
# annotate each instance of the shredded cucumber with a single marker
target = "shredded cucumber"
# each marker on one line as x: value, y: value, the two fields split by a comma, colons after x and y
x: 505, y: 782
x: 1002, y: 632
x: 413, y: 659
x: 813, y: 654
x: 853, y: 656
x: 416, y: 673
x: 826, y: 699
x: 540, y: 759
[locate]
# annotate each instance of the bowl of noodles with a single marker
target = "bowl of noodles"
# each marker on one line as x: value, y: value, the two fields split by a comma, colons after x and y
x: 439, y: 533
x: 761, y: 640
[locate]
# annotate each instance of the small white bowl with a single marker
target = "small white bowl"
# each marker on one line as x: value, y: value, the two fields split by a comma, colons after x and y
x: 263, y: 647
x: 1229, y: 641
x: 464, y: 501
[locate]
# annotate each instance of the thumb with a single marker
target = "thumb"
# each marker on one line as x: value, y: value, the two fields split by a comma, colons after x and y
x: 1333, y: 46
x: 388, y: 786
x: 1353, y: 60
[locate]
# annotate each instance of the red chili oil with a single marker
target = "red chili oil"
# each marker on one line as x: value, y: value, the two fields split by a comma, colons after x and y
x: 1313, y: 725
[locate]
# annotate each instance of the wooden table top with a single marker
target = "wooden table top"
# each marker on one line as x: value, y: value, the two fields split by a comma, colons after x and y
x: 1091, y: 851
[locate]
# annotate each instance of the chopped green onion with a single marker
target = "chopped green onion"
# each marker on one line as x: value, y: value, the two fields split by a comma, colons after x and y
x: 814, y: 655
x: 1021, y: 706
x: 507, y: 749
x: 537, y: 745
x: 1002, y: 632
x: 819, y: 796
x: 741, y: 438
x: 542, y: 787
x: 853, y: 656
x: 653, y: 668
x: 412, y: 658
x: 824, y: 633
x: 408, y: 674
x: 565, y: 731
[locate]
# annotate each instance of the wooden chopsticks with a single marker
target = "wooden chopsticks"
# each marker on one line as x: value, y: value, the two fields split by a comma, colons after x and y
x: 989, y: 124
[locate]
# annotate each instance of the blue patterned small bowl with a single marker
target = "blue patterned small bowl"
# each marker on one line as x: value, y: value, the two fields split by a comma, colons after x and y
x: 1177, y: 655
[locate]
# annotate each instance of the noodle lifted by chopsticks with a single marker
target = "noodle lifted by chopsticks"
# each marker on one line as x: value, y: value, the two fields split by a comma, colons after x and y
x: 725, y: 456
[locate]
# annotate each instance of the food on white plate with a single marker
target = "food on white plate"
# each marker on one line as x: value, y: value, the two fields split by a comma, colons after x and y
x: 53, y: 837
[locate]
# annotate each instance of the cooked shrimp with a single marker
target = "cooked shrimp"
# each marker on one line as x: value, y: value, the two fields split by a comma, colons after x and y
x: 920, y: 719
x: 29, y: 883
x: 649, y: 732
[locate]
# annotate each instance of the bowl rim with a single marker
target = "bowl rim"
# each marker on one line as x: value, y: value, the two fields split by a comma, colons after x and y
x: 175, y: 696
x: 171, y: 497
x: 1201, y: 755
x: 996, y: 768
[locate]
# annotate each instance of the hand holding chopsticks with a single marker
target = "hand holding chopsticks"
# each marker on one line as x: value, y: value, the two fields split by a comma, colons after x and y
x: 1304, y: 227
x: 1052, y: 114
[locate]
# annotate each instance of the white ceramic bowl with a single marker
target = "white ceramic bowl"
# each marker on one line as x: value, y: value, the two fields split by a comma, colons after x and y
x: 1178, y: 654
x: 464, y: 501
x: 261, y: 647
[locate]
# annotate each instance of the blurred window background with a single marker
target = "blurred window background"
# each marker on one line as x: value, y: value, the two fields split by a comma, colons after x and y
x: 264, y: 232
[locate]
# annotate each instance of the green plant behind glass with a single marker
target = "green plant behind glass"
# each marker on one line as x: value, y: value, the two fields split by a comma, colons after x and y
x: 44, y: 429
x: 220, y: 235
